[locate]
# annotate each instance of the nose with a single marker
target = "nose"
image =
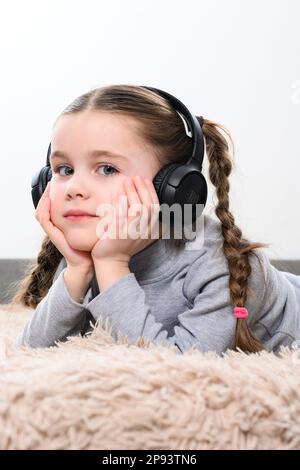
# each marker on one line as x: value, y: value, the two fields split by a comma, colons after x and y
x: 77, y: 187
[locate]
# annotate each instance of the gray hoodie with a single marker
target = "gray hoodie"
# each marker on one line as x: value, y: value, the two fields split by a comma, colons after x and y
x: 178, y: 295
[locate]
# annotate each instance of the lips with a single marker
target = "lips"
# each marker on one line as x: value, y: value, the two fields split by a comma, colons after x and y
x: 78, y: 213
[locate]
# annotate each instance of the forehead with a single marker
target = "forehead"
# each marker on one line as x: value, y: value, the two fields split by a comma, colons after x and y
x: 94, y: 134
x: 96, y: 128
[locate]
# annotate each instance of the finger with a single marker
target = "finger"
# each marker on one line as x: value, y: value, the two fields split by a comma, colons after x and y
x: 155, y: 204
x: 46, y: 219
x: 45, y: 212
x: 52, y: 231
x: 102, y: 227
x: 46, y: 191
x: 152, y: 191
x: 42, y: 198
x: 40, y: 208
x: 114, y: 217
x: 115, y: 201
x: 142, y: 191
x: 122, y: 215
x: 132, y: 195
x: 123, y: 204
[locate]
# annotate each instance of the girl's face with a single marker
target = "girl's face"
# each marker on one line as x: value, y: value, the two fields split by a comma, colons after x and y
x: 83, y: 180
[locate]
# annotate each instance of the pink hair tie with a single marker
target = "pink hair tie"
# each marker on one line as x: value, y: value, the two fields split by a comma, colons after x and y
x: 240, y: 312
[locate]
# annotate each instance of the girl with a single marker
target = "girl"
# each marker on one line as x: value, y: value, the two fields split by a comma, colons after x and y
x: 166, y: 290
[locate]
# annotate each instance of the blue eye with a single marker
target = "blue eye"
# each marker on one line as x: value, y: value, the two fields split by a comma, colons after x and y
x: 111, y: 168
x: 57, y: 168
x: 112, y: 171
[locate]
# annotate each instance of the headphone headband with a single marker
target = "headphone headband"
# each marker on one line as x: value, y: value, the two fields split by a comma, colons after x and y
x: 197, y: 134
x: 195, y: 128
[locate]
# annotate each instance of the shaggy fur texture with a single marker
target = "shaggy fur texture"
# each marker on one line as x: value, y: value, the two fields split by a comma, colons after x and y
x: 99, y: 393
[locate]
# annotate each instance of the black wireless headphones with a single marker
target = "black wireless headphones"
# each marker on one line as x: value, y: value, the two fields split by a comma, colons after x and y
x: 175, y: 183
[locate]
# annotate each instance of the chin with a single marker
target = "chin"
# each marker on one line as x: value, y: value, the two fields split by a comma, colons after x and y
x: 82, y: 243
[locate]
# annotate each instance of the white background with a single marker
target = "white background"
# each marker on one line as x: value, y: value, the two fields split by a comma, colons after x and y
x: 232, y: 61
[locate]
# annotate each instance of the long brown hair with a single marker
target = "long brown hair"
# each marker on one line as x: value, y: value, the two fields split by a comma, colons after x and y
x: 160, y: 127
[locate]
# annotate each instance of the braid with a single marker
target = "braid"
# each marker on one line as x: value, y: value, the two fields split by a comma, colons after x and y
x: 32, y: 288
x: 235, y: 247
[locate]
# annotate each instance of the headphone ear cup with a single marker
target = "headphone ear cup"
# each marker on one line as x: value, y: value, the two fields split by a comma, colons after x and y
x: 187, y: 186
x: 159, y: 183
x: 48, y: 176
x: 159, y: 178
x: 39, y: 182
x: 198, y: 208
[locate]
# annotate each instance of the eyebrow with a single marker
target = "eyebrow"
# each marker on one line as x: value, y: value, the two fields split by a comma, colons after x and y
x: 92, y: 154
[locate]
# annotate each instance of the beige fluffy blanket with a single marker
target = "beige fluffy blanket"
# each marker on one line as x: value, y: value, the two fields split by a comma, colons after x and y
x: 99, y: 393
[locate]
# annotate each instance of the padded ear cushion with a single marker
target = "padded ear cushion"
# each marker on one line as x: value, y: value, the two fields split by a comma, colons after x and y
x: 158, y: 182
x: 160, y: 176
x: 46, y: 175
x: 39, y: 183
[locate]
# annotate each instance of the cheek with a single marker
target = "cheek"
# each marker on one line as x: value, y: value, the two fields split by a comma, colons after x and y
x: 56, y: 196
x: 53, y: 190
x: 105, y: 197
x: 56, y: 208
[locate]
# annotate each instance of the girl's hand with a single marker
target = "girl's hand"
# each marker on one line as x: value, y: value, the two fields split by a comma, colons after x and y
x: 74, y: 258
x: 123, y: 242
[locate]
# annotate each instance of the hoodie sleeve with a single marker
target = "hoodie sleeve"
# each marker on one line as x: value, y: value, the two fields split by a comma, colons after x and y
x: 277, y: 322
x: 209, y: 323
x: 57, y: 316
